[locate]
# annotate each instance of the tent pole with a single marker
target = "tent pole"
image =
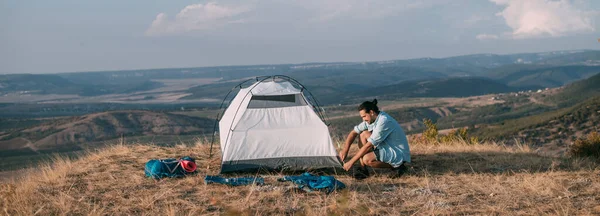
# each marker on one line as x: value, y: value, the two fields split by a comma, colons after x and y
x: 217, y: 120
x: 213, y: 136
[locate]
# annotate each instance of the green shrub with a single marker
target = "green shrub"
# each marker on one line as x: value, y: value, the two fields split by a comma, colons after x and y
x: 588, y: 147
x: 431, y: 132
x: 431, y: 135
x: 456, y: 135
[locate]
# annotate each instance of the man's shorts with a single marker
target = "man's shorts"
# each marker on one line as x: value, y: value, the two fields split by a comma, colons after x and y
x: 377, y: 156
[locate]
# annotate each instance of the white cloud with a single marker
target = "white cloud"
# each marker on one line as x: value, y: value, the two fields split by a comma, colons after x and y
x: 196, y: 17
x: 542, y: 18
x: 486, y: 37
x: 209, y: 16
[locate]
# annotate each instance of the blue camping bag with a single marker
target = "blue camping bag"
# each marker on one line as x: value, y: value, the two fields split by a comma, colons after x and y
x: 170, y: 167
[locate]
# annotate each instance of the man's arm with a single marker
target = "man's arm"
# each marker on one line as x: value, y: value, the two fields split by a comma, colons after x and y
x: 351, y: 137
x: 381, y: 131
x: 362, y: 152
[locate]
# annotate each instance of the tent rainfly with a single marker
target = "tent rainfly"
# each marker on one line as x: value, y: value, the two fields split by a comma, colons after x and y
x: 272, y: 126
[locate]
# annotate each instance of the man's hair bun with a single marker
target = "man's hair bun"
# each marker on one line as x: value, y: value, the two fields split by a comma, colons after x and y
x: 367, y: 106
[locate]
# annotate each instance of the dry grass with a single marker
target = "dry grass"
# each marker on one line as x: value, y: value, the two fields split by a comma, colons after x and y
x: 453, y: 178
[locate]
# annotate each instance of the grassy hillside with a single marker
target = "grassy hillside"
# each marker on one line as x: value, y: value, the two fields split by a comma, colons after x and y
x: 491, y: 114
x: 558, y: 128
x: 576, y: 92
x: 453, y: 178
x: 571, y: 113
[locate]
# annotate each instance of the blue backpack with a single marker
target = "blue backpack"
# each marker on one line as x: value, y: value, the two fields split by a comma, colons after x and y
x: 170, y: 167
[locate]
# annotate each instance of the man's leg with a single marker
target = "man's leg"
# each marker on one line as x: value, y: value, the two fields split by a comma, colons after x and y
x: 370, y: 159
x: 361, y: 141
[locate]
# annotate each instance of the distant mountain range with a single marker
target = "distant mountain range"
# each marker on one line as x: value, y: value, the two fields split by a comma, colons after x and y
x: 531, y: 70
x: 56, y: 84
x: 331, y: 83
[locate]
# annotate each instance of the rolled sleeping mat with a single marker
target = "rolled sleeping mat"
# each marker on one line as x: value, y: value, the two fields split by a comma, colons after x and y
x: 188, y: 166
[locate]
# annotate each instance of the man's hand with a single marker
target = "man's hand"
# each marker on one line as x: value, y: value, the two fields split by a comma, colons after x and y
x: 344, y: 152
x: 348, y: 166
x: 343, y: 155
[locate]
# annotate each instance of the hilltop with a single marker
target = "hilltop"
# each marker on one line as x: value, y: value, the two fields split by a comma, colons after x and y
x: 451, y: 178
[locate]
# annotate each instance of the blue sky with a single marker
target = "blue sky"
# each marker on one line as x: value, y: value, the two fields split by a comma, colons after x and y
x: 73, y: 35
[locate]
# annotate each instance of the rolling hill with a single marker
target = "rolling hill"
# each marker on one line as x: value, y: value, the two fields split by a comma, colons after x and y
x: 576, y: 113
x: 525, y: 104
x: 73, y: 131
x: 538, y: 76
x: 447, y: 87
x: 576, y: 92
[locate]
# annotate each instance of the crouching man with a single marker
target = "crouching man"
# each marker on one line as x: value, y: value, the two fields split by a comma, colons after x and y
x: 382, y: 142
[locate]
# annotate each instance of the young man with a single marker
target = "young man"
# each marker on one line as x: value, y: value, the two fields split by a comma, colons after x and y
x: 382, y: 142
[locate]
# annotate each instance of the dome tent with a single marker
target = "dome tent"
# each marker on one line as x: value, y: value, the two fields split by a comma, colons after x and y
x: 272, y: 125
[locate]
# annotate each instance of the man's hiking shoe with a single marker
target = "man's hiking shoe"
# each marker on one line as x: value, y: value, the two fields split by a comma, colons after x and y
x: 400, y: 171
x: 359, y: 172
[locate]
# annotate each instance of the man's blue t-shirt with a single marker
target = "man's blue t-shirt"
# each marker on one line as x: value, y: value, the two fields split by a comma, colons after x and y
x: 388, y: 138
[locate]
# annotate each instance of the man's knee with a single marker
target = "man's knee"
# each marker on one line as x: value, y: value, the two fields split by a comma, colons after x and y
x: 365, y: 134
x: 369, y: 159
x: 362, y: 136
x: 369, y: 162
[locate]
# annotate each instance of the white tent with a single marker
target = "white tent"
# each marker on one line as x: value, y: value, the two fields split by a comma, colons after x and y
x: 271, y: 125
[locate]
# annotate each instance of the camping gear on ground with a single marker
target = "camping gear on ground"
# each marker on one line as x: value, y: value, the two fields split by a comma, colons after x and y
x: 308, y: 182
x: 234, y: 181
x: 273, y: 125
x: 170, y: 167
x: 188, y: 166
